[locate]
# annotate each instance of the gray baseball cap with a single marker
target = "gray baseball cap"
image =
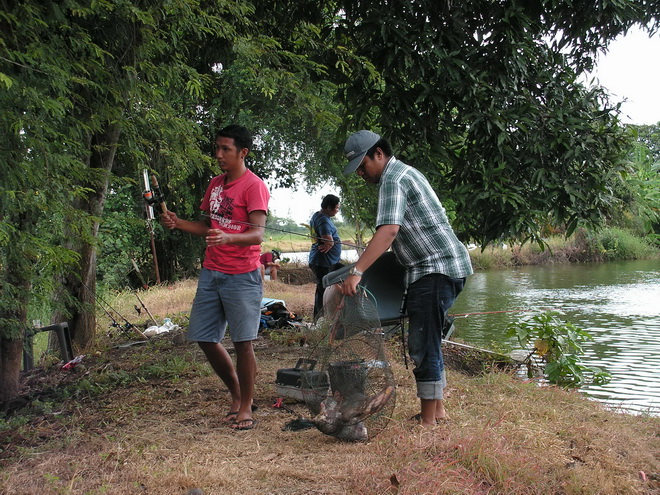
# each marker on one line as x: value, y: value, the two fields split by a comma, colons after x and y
x: 356, y: 147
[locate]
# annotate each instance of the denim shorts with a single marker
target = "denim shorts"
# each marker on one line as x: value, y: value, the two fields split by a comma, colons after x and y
x: 429, y: 299
x: 226, y: 300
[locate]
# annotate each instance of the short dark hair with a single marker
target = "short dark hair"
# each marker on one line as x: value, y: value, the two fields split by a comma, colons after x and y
x: 329, y: 201
x: 384, y: 145
x: 241, y: 136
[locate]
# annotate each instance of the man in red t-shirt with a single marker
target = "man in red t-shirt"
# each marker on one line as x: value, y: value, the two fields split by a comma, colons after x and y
x: 269, y: 264
x: 230, y: 288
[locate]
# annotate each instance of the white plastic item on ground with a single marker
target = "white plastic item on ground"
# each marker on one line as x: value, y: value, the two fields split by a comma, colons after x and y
x: 167, y: 326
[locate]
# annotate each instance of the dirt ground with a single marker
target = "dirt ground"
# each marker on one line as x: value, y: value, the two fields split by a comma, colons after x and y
x: 296, y: 275
x: 147, y: 418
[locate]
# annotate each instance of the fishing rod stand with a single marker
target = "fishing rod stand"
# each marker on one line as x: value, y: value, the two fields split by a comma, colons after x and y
x: 63, y: 337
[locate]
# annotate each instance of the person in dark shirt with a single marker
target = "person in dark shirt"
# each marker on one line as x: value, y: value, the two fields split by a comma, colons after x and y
x: 326, y: 250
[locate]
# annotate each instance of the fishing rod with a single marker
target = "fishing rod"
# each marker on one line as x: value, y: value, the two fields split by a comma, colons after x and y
x: 127, y: 325
x: 145, y: 308
x: 307, y: 236
x: 137, y: 271
x: 152, y: 193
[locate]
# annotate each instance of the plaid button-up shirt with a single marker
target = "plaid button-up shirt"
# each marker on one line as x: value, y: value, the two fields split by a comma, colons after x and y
x: 426, y: 242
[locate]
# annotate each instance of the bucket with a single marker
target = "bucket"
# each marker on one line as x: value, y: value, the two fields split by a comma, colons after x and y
x: 348, y: 377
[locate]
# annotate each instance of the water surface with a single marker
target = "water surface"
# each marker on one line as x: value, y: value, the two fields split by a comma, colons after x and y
x: 618, y: 303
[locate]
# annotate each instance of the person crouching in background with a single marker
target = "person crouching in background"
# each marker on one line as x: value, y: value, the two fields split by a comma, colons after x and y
x: 269, y: 264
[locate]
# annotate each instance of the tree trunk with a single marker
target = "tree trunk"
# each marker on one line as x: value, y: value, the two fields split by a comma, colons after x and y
x: 16, y: 277
x: 11, y: 352
x: 79, y: 289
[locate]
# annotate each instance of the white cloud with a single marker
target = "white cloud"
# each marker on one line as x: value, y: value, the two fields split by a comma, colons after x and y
x: 631, y: 72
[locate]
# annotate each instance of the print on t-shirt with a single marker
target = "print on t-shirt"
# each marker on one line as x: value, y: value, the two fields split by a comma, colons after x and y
x: 222, y: 208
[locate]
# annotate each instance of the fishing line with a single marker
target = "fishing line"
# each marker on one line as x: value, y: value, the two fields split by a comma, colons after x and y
x: 307, y: 236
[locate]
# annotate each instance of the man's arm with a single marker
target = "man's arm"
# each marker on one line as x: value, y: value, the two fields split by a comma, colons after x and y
x: 380, y: 242
x: 170, y: 220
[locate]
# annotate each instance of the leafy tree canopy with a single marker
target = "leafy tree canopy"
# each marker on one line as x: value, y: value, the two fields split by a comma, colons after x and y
x: 484, y: 98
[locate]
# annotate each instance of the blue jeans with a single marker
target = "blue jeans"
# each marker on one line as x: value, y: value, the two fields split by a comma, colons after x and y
x: 429, y: 300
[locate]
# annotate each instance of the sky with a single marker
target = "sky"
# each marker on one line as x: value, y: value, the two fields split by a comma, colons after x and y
x: 629, y: 70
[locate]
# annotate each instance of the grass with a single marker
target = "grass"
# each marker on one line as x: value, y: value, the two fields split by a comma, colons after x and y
x: 147, y: 419
x: 611, y: 244
x: 300, y: 242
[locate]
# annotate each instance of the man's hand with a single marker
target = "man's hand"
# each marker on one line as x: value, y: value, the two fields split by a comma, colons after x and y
x: 169, y: 219
x: 216, y: 237
x: 349, y: 286
x: 325, y: 243
x: 324, y: 247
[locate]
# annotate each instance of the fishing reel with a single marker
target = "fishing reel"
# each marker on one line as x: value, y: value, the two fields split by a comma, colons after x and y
x: 152, y: 194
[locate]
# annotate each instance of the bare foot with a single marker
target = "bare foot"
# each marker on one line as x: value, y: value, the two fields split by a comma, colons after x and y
x: 440, y: 412
x: 418, y: 419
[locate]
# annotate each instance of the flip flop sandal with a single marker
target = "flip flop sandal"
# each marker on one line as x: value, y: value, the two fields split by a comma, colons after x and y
x: 248, y: 424
x: 231, y: 415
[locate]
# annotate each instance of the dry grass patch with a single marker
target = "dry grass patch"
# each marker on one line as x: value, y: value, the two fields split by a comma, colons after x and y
x: 151, y: 431
x: 148, y: 419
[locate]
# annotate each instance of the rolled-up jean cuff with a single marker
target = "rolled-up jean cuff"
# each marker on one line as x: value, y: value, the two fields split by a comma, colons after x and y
x: 432, y: 390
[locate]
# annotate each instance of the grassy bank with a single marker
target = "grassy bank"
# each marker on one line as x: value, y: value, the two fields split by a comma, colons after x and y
x: 147, y: 419
x: 300, y: 242
x: 610, y: 244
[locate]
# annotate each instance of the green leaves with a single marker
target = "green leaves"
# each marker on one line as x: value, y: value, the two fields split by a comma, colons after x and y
x: 477, y: 97
x: 557, y: 344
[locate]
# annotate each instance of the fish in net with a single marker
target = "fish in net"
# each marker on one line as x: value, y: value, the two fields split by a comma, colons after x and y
x: 354, y: 395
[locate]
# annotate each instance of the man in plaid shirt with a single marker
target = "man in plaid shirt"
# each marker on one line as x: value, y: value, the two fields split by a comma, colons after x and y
x: 413, y: 222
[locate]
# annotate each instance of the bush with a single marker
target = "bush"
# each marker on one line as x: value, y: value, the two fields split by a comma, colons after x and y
x: 491, y: 257
x: 557, y: 344
x: 619, y: 244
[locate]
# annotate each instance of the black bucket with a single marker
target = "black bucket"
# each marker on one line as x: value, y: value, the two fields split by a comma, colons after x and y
x: 348, y: 377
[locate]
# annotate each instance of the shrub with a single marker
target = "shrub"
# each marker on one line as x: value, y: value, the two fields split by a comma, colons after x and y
x: 557, y: 345
x: 619, y: 244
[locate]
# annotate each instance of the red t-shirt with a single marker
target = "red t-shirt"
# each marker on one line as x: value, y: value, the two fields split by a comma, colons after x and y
x: 229, y: 206
x: 266, y: 258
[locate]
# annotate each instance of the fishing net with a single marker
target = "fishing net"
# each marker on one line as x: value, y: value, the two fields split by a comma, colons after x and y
x: 351, y: 395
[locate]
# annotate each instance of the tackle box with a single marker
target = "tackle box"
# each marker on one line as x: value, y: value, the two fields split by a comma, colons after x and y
x: 294, y: 382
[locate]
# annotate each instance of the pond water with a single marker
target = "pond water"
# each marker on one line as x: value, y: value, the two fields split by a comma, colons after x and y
x: 347, y: 256
x: 618, y: 303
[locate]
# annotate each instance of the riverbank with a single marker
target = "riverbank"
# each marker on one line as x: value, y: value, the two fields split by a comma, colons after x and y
x: 610, y: 244
x: 147, y: 419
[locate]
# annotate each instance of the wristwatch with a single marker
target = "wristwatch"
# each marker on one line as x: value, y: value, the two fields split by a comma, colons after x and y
x: 354, y: 271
